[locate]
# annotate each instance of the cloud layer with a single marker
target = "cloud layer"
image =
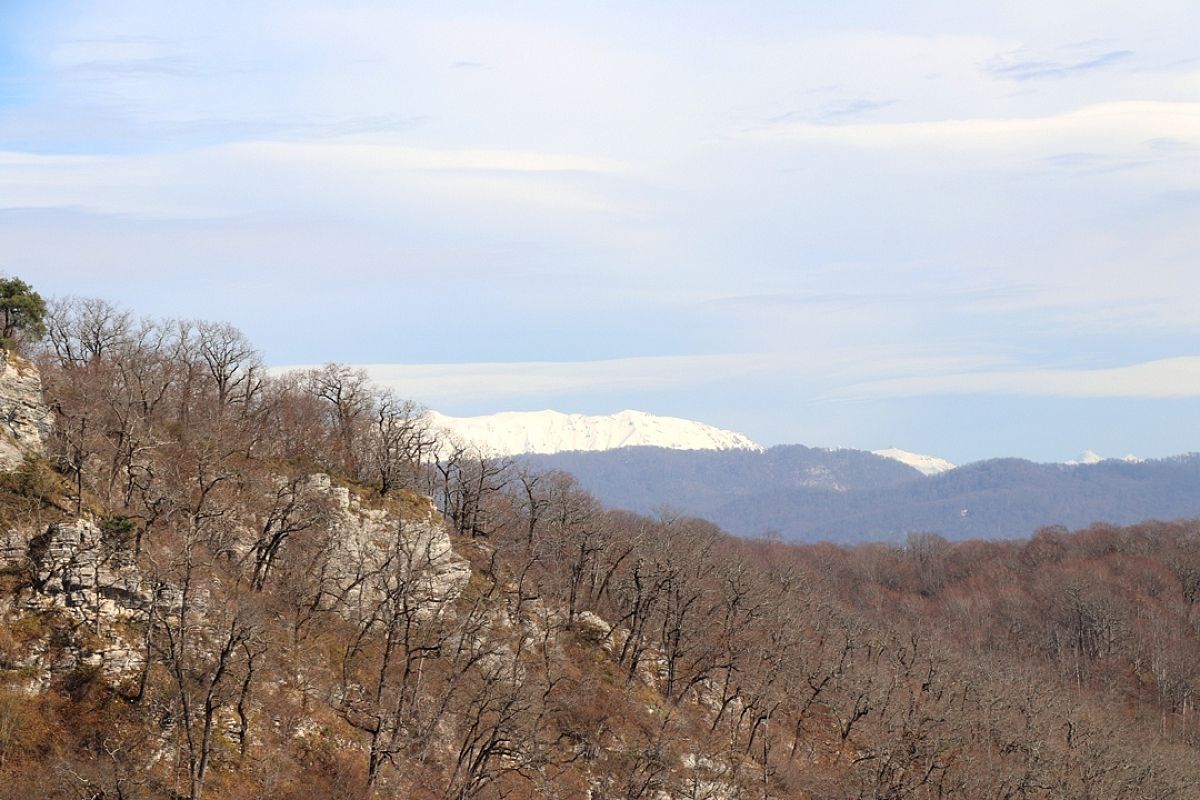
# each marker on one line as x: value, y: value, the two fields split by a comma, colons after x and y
x: 1162, y: 379
x: 775, y: 215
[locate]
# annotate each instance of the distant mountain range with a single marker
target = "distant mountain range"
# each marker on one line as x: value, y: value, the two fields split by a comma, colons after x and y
x: 646, y: 463
x: 645, y: 479
x: 808, y: 494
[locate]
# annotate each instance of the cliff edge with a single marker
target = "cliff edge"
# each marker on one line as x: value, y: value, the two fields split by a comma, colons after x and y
x: 24, y: 417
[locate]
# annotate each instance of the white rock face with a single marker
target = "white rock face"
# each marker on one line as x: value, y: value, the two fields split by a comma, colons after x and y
x: 24, y: 417
x: 927, y: 465
x: 72, y: 566
x: 364, y: 539
x: 77, y: 575
x: 519, y: 432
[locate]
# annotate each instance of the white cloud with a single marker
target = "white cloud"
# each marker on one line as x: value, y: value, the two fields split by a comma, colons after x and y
x: 365, y: 154
x: 598, y: 176
x: 1103, y: 126
x: 1164, y: 378
x: 501, y: 382
x: 449, y: 383
x: 373, y: 177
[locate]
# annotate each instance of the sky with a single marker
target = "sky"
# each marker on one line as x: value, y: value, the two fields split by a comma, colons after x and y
x: 967, y: 229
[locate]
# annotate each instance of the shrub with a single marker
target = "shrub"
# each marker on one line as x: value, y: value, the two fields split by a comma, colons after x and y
x: 117, y: 530
x: 33, y: 479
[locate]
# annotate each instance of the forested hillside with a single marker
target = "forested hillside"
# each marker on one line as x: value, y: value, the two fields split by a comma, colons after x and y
x: 645, y: 479
x: 848, y: 496
x: 222, y: 584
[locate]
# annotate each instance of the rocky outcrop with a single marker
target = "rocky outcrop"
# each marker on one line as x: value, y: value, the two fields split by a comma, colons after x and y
x: 416, y: 544
x: 24, y: 417
x: 593, y: 628
x: 73, y: 568
x: 90, y: 583
x: 14, y: 547
x: 83, y: 582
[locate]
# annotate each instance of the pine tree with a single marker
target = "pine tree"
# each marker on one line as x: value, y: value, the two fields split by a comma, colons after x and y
x: 22, y: 312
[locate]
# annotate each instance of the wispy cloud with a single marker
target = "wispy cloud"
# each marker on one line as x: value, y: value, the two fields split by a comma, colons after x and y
x: 1003, y: 296
x: 543, y: 381
x: 298, y: 128
x: 172, y: 66
x: 1164, y: 378
x: 1129, y: 124
x: 1170, y: 145
x: 374, y: 173
x: 1096, y: 163
x: 1020, y: 66
x: 835, y: 111
x: 546, y: 182
x: 396, y: 156
x: 855, y: 107
x: 457, y: 383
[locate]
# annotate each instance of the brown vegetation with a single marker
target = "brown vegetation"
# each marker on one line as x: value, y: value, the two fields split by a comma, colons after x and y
x: 589, y: 651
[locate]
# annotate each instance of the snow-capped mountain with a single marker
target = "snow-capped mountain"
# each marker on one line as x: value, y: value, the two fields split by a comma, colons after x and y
x: 928, y: 465
x: 519, y: 432
x: 1092, y: 457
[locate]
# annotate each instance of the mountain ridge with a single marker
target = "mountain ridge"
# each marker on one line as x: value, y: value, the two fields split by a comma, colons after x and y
x: 809, y: 494
x: 511, y: 433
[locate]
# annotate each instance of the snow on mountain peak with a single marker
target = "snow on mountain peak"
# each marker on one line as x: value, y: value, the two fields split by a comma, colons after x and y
x: 927, y: 465
x: 519, y: 432
x: 1092, y: 457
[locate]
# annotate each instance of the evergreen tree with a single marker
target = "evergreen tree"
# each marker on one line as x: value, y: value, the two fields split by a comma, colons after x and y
x: 22, y: 312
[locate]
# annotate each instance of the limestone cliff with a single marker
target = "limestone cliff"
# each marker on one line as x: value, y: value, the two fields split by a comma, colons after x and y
x: 364, y: 539
x: 24, y: 417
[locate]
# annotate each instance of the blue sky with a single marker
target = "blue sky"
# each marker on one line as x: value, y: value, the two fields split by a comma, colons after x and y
x: 971, y: 231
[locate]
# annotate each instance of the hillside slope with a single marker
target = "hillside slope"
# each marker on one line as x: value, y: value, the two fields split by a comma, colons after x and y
x: 265, y: 602
x: 644, y: 479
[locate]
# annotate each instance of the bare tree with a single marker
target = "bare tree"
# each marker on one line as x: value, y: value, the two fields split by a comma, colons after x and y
x: 469, y: 486
x: 233, y: 364
x: 83, y: 330
x: 347, y: 394
x: 398, y: 441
